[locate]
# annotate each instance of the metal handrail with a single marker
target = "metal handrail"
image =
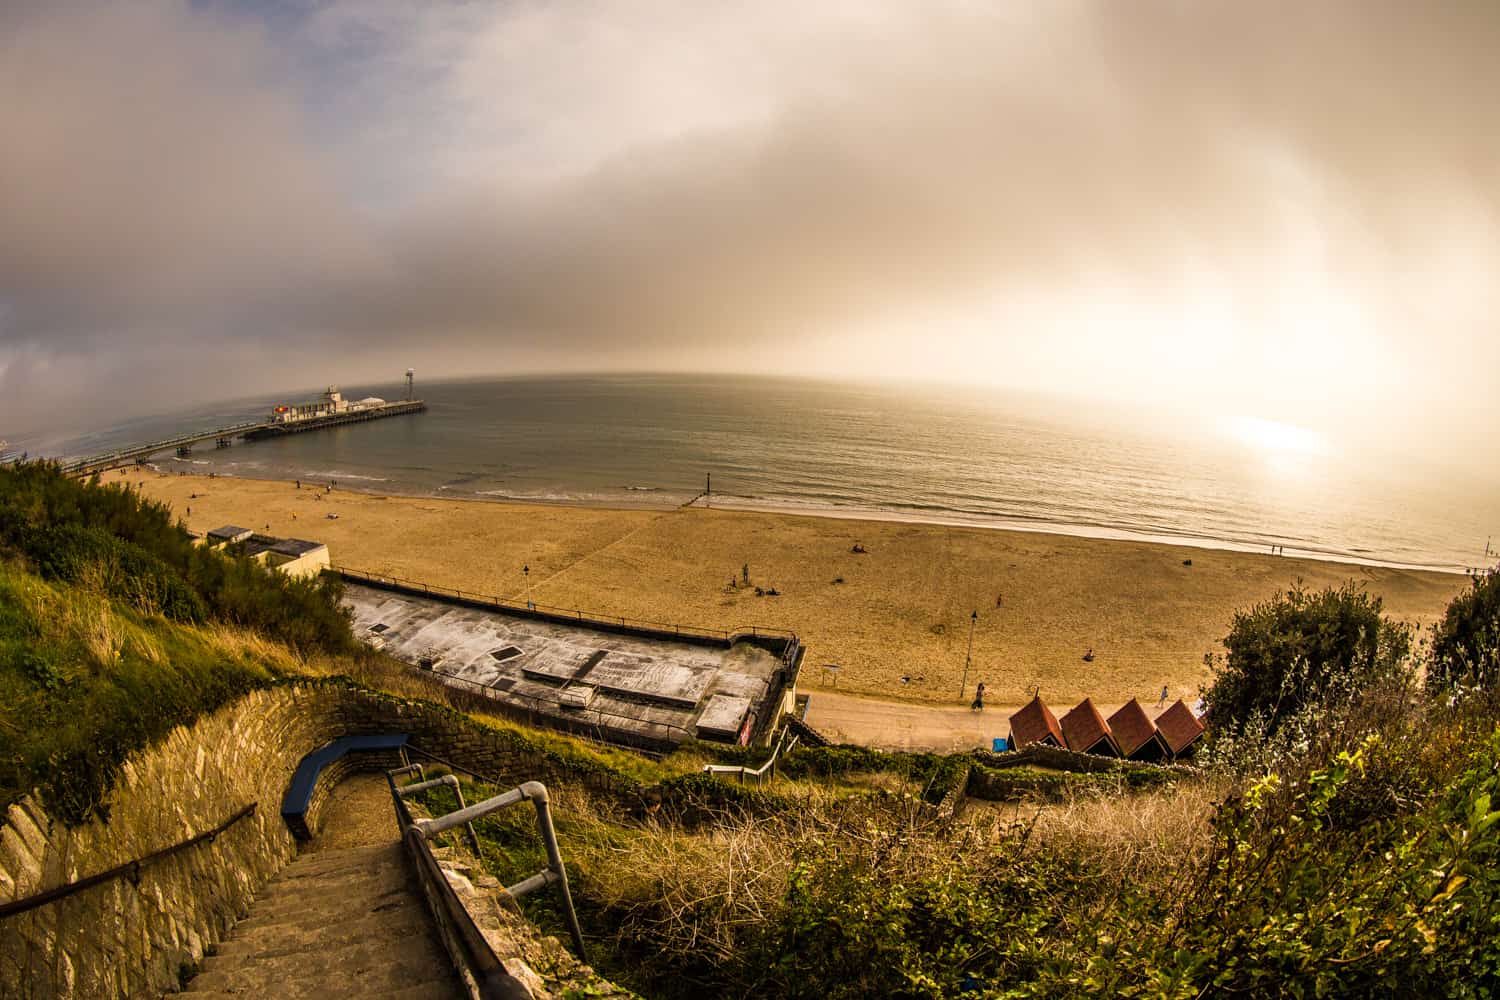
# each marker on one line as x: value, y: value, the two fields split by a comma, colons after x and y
x: 452, y: 782
x: 417, y: 832
x: 131, y: 868
x: 758, y: 773
x: 554, y: 874
x: 492, y: 980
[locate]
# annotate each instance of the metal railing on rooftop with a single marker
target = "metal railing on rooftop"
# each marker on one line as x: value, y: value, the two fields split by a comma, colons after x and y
x: 580, y: 720
x: 565, y: 615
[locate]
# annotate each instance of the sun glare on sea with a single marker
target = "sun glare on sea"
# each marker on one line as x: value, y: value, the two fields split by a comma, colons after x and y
x: 1275, y: 437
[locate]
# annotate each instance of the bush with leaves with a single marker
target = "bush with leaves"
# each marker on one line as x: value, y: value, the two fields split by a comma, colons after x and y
x: 1298, y: 648
x: 1466, y: 643
x: 113, y: 566
x: 110, y: 537
x: 1294, y: 903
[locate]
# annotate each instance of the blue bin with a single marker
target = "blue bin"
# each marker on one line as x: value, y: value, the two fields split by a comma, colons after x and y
x: 1000, y: 744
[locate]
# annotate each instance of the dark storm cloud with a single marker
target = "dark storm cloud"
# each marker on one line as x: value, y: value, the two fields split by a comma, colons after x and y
x: 611, y: 187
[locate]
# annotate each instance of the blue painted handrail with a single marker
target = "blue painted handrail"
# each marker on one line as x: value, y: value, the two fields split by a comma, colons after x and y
x: 299, y: 793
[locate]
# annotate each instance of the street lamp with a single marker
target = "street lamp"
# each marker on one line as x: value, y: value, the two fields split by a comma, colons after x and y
x: 973, y: 620
x: 526, y: 572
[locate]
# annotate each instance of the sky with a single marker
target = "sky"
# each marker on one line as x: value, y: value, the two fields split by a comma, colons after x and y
x: 1281, y: 212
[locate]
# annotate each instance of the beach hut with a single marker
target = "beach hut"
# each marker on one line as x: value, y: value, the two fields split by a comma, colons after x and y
x: 1180, y: 728
x: 1136, y: 735
x: 1035, y: 724
x: 1085, y: 730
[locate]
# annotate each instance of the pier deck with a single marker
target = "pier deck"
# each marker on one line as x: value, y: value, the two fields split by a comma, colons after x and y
x: 251, y: 431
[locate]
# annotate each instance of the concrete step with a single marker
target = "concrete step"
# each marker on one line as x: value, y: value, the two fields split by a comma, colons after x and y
x: 292, y: 881
x: 369, y: 967
x: 410, y: 917
x: 436, y: 989
x: 341, y: 897
x: 433, y: 989
x: 312, y: 866
x: 346, y: 923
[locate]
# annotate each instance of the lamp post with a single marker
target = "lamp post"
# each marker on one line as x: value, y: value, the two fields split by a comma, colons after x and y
x: 526, y: 573
x: 973, y: 620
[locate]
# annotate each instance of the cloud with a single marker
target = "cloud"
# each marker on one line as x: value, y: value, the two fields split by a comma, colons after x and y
x: 154, y: 174
x: 1268, y: 208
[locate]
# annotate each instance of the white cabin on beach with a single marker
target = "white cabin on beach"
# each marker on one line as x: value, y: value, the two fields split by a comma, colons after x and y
x: 292, y: 556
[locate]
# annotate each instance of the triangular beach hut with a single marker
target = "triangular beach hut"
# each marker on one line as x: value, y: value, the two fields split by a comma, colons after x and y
x: 1085, y: 730
x: 1136, y: 735
x: 1180, y: 728
x: 1035, y: 724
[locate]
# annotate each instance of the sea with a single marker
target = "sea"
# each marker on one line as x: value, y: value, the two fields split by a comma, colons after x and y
x: 962, y: 456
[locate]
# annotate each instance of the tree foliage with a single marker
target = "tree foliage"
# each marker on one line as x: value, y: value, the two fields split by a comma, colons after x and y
x: 1295, y: 649
x: 1466, y: 643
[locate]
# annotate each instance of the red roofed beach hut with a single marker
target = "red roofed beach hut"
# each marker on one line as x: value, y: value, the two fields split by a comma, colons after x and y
x: 1035, y: 724
x: 1180, y: 728
x: 1136, y: 735
x: 1086, y: 731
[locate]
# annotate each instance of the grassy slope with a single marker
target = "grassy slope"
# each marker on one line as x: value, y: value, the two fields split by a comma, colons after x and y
x: 84, y: 682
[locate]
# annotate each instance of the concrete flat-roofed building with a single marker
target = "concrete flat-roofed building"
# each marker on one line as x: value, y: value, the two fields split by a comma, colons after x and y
x: 292, y: 556
x: 624, y: 685
x: 1085, y: 731
x: 1135, y: 734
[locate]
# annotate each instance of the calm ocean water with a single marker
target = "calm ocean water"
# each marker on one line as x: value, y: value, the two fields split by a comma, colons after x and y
x: 952, y: 456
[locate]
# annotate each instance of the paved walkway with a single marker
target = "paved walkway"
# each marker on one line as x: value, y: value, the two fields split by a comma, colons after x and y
x: 894, y: 725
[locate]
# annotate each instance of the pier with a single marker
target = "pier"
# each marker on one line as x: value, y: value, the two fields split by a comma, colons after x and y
x: 222, y: 436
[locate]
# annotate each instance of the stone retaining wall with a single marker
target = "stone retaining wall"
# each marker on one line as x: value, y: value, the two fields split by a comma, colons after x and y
x: 123, y: 939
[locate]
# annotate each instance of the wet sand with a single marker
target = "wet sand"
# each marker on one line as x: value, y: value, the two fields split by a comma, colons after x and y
x: 902, y: 609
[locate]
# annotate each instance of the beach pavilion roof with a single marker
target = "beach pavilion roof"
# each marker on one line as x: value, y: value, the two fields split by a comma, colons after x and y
x: 1086, y: 731
x: 1135, y: 734
x: 1035, y: 724
x: 1179, y: 727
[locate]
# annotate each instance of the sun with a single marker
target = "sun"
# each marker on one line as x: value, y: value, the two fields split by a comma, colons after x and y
x: 1277, y: 437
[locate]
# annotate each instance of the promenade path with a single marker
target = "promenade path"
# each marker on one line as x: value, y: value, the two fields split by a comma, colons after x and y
x: 894, y: 725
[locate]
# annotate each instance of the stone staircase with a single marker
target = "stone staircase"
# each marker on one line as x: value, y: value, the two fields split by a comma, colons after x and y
x: 346, y: 920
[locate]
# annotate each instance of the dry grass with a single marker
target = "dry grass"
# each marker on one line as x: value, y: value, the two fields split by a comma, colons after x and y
x: 689, y: 893
x: 1149, y: 836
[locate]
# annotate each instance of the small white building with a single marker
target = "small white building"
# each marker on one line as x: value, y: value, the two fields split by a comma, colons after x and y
x: 292, y: 556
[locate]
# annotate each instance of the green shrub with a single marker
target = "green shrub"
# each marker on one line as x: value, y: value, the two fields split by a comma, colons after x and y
x: 1297, y: 649
x: 110, y: 537
x: 1466, y: 643
x: 118, y: 568
x: 1293, y: 903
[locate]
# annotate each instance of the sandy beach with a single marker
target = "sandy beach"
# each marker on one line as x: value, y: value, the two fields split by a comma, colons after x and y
x: 895, y: 618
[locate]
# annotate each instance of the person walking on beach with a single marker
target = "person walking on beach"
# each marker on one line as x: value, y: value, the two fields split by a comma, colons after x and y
x: 978, y: 705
